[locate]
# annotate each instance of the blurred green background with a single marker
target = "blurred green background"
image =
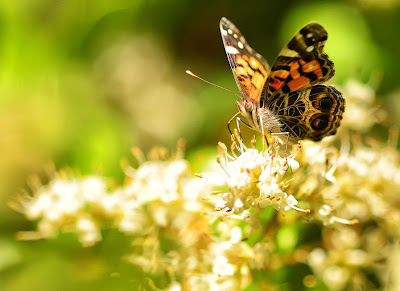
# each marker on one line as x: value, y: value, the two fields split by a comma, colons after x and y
x: 81, y: 82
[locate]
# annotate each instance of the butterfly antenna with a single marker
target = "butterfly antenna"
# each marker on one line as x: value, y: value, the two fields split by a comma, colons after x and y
x: 193, y: 75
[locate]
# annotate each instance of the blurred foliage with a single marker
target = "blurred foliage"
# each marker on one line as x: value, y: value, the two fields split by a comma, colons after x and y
x: 81, y: 82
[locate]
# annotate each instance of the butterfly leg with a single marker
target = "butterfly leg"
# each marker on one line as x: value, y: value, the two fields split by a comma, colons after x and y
x: 264, y: 137
x: 229, y: 127
x: 238, y: 120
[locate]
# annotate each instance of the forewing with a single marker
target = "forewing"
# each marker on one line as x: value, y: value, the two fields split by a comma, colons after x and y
x: 301, y: 64
x: 249, y: 68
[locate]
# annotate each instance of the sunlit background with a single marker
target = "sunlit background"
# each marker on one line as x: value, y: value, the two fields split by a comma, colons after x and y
x: 81, y: 82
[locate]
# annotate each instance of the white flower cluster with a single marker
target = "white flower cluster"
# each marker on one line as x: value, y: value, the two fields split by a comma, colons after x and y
x: 360, y: 182
x: 228, y: 260
x: 361, y: 103
x: 81, y: 204
x: 69, y: 205
x: 255, y: 179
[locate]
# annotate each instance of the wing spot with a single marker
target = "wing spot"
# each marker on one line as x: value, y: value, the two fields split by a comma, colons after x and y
x: 223, y: 31
x: 240, y: 45
x: 310, y: 48
x: 230, y: 31
x: 289, y: 53
x: 235, y: 35
x: 310, y: 66
x: 309, y: 35
x: 231, y: 50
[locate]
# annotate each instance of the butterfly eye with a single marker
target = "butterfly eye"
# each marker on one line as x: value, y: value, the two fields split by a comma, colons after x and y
x: 325, y: 103
x: 319, y: 123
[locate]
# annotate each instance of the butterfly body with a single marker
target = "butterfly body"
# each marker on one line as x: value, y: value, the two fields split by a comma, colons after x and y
x: 289, y: 97
x: 259, y: 118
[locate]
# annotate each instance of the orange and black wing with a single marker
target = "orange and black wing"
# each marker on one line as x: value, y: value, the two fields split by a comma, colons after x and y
x: 302, y: 63
x: 249, y: 68
x: 294, y: 91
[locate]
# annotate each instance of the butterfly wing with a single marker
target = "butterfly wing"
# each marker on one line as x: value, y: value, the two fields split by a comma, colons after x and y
x: 294, y: 91
x: 302, y: 63
x: 249, y: 68
x: 310, y: 113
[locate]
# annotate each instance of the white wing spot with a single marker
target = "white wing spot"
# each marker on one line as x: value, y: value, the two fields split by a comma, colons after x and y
x: 240, y: 45
x: 309, y: 35
x: 230, y: 31
x: 289, y: 53
x: 231, y: 50
x: 310, y: 66
x: 223, y: 31
x: 310, y: 48
x: 235, y: 35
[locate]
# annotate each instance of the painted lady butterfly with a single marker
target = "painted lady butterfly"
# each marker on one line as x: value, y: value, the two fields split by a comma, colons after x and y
x: 288, y: 98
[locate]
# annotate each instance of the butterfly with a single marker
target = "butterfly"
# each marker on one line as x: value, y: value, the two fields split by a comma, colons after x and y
x: 288, y: 98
